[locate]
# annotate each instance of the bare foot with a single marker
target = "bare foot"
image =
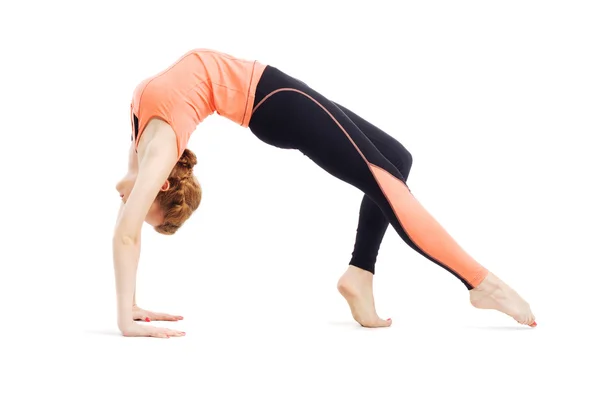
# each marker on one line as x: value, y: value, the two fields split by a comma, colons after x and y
x: 356, y: 285
x: 494, y: 294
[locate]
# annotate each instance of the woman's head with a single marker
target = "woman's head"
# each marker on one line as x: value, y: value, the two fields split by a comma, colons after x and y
x: 177, y: 199
x: 180, y: 197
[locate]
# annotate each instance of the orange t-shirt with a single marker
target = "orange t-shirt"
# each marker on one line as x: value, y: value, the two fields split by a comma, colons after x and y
x: 200, y: 83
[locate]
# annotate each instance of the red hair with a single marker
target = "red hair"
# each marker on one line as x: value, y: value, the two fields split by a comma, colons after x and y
x: 182, y: 198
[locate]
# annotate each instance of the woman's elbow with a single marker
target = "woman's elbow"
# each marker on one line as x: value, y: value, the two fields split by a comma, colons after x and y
x: 125, y: 239
x: 124, y: 236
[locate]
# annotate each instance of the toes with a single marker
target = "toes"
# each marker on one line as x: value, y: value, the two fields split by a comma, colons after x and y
x: 530, y: 321
x: 383, y: 324
x: 376, y: 323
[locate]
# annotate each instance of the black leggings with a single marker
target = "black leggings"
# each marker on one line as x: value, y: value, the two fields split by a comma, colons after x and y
x: 289, y: 114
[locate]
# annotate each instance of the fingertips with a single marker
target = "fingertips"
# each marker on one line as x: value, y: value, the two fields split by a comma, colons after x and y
x: 161, y: 335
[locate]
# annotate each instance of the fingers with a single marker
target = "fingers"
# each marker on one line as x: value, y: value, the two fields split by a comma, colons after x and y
x: 175, y: 333
x: 160, y: 335
x: 165, y: 333
x: 141, y: 318
x: 165, y: 317
x: 138, y: 330
x: 152, y: 316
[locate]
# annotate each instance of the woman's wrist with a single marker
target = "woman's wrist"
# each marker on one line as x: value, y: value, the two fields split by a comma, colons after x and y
x: 125, y: 311
x: 124, y: 321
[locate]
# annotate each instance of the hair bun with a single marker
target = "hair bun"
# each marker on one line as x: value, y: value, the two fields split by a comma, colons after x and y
x: 188, y: 159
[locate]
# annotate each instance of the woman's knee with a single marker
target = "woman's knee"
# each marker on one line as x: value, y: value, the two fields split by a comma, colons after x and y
x: 403, y: 161
x: 407, y: 164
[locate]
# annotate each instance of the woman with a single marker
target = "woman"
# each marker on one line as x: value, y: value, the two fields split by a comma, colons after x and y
x: 283, y: 112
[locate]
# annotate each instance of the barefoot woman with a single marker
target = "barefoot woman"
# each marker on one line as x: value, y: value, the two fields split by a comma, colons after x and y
x: 283, y: 112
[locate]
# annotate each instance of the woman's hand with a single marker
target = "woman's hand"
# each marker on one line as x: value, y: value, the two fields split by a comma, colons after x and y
x: 134, y: 329
x: 140, y: 314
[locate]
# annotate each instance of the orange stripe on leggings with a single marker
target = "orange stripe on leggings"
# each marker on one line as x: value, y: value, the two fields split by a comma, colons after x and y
x: 424, y: 230
x: 420, y: 226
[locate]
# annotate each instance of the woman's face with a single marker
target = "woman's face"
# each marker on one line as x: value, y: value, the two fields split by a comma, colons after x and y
x: 125, y: 186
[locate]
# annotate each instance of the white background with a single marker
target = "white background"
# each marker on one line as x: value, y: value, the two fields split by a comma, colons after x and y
x: 497, y: 101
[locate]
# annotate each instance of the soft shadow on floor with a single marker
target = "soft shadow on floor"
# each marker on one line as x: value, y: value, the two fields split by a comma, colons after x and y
x: 503, y: 328
x: 101, y: 332
x: 346, y: 324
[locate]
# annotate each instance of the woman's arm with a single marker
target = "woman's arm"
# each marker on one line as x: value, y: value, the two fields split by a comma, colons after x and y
x: 133, y: 159
x: 132, y: 169
x: 157, y: 155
